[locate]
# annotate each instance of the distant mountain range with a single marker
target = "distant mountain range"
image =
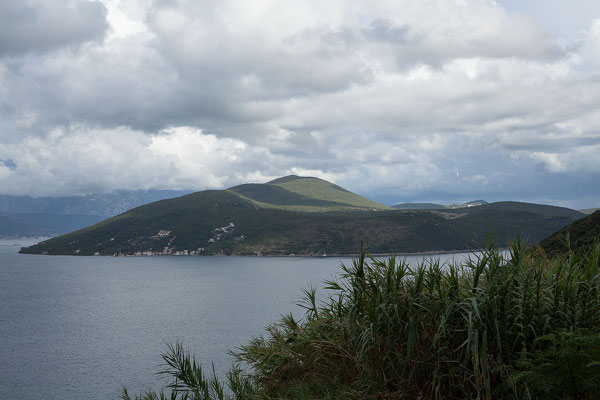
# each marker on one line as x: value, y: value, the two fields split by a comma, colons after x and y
x: 418, y: 206
x: 103, y: 205
x: 434, y: 206
x: 38, y: 225
x: 301, y: 216
x: 42, y: 216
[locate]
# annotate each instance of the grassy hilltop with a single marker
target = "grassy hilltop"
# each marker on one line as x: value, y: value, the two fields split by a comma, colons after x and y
x: 315, y: 188
x: 295, y: 193
x: 307, y: 216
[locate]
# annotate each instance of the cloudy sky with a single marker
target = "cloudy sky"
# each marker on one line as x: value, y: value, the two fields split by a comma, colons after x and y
x: 401, y: 100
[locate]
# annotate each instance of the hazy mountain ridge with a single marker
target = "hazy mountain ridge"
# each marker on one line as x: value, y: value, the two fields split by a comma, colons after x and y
x: 435, y: 206
x: 418, y: 206
x: 35, y: 225
x: 42, y: 216
x: 104, y: 205
x: 263, y: 219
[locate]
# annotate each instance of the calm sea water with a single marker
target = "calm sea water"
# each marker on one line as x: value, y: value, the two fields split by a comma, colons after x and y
x: 83, y: 327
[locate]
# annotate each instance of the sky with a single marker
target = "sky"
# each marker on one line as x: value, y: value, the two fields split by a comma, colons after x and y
x: 430, y: 100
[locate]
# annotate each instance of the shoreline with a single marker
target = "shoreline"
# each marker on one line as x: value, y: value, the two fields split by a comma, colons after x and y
x: 327, y: 255
x: 341, y: 255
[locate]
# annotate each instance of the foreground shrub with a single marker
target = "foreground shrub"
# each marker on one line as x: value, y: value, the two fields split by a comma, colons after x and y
x: 510, y: 325
x: 564, y: 366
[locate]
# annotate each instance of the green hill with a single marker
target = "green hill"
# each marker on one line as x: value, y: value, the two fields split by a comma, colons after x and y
x: 581, y: 235
x: 252, y: 219
x: 294, y: 193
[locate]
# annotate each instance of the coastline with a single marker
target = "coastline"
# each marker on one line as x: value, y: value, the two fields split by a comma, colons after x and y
x: 334, y: 255
x: 183, y: 253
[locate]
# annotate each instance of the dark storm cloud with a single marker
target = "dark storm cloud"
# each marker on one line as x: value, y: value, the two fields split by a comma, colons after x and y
x: 38, y: 25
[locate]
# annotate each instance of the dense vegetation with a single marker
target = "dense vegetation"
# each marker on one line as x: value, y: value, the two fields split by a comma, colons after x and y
x: 266, y: 221
x: 581, y: 234
x: 194, y: 220
x: 500, y: 326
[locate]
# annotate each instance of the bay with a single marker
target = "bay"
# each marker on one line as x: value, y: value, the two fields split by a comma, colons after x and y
x: 83, y: 327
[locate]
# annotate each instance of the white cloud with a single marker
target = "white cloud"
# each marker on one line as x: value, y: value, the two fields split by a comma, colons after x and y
x: 396, y: 97
x: 583, y: 158
x: 85, y: 161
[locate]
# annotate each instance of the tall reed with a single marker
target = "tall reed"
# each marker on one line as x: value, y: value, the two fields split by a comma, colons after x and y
x: 500, y: 325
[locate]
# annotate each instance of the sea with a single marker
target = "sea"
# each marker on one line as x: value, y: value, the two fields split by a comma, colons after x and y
x: 76, y: 327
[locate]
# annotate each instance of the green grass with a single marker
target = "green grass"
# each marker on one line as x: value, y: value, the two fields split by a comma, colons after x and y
x: 316, y: 188
x: 276, y: 197
x: 304, y: 194
x: 495, y: 327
